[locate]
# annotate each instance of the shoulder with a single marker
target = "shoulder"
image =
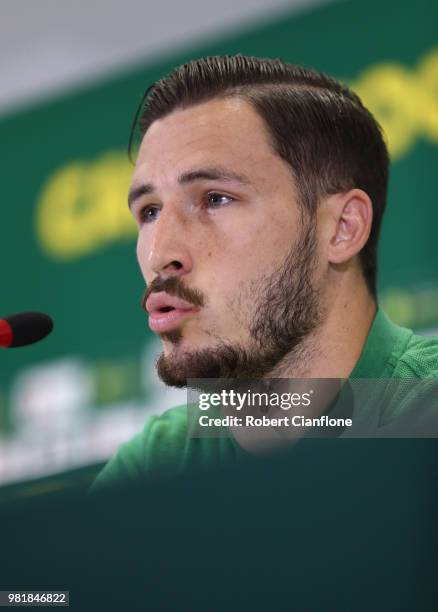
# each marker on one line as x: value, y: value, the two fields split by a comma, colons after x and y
x: 165, y: 446
x: 157, y: 448
x: 412, y: 392
x: 419, y: 358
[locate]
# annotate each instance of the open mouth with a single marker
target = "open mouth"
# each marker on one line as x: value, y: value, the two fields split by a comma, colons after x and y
x: 167, y: 318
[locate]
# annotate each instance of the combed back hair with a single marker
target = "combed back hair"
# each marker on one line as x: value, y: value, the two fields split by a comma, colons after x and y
x: 317, y: 125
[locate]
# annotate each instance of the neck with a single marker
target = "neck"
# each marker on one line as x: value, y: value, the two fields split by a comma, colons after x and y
x: 333, y: 349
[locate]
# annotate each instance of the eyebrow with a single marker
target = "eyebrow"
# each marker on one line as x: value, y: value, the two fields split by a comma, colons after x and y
x: 211, y: 173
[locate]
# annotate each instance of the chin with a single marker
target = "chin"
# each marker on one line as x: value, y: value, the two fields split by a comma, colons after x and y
x: 171, y: 370
x: 179, y: 341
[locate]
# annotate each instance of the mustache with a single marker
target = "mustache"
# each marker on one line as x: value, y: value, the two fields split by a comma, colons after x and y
x: 174, y: 287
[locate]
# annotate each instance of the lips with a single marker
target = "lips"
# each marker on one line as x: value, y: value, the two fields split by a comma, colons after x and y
x: 166, y: 312
x: 163, y: 302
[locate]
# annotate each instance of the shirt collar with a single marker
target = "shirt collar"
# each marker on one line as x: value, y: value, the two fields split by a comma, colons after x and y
x: 384, y: 345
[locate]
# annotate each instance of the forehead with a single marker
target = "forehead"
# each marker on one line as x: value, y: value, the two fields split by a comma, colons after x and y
x: 226, y: 132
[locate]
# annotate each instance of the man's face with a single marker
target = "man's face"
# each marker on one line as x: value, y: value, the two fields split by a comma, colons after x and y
x: 237, y: 249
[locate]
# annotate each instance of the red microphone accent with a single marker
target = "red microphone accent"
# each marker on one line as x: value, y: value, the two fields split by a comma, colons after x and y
x: 5, y: 334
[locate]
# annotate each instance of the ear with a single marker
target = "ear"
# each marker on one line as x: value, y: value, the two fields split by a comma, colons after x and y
x: 352, y: 216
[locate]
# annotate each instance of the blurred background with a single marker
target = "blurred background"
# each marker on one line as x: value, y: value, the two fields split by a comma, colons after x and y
x: 71, y: 77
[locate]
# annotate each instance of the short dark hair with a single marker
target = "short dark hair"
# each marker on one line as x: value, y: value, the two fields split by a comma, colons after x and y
x: 316, y: 124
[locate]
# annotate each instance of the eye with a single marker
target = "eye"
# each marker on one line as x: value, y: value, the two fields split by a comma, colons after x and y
x: 147, y: 214
x: 213, y: 197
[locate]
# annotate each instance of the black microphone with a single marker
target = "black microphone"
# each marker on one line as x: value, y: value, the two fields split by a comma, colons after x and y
x: 24, y: 328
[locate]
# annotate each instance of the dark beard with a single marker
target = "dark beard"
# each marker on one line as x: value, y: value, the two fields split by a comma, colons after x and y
x: 287, y: 310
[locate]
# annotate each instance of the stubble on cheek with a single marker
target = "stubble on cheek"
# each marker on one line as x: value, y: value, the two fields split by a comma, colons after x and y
x: 240, y: 310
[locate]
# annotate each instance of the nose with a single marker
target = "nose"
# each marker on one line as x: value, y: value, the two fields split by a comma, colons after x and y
x: 169, y: 246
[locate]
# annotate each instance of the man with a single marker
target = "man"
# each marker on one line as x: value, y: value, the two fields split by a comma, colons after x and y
x: 259, y: 191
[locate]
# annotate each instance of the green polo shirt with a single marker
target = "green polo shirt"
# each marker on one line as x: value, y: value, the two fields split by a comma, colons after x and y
x: 165, y: 447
